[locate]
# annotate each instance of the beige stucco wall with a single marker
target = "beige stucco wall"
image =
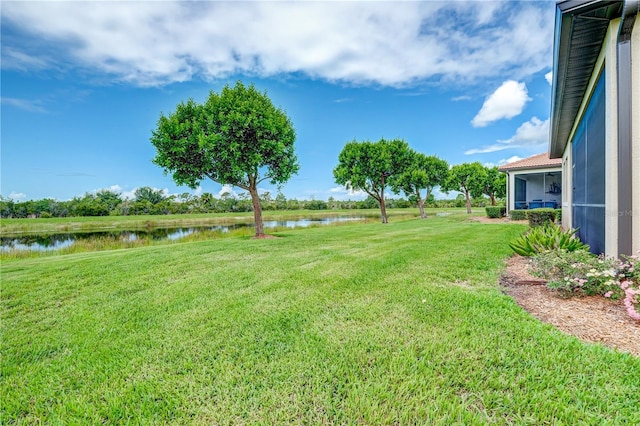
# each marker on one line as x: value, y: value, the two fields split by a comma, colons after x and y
x: 635, y: 132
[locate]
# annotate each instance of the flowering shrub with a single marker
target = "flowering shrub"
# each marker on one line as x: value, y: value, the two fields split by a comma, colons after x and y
x: 628, y: 275
x: 582, y: 273
x: 576, y: 272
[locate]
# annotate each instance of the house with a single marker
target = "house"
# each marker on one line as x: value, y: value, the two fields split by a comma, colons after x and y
x: 595, y: 121
x: 534, y: 182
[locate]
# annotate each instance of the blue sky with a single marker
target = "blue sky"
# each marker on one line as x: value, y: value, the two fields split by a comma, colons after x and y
x: 83, y: 83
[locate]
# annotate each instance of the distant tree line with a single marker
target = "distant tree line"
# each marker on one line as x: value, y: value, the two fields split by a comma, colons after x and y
x: 149, y: 201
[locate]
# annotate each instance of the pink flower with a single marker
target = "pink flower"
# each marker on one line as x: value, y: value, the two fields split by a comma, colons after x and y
x: 608, y: 294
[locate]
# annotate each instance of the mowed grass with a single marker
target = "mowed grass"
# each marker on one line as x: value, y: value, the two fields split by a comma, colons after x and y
x: 367, y: 324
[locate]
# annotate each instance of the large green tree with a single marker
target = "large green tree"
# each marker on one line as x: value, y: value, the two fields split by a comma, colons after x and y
x: 495, y: 184
x: 236, y: 137
x: 424, y: 172
x: 467, y: 178
x: 369, y: 166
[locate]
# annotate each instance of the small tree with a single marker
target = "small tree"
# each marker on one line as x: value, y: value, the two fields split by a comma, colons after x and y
x: 368, y: 166
x: 423, y: 172
x: 237, y: 137
x: 146, y: 194
x: 110, y: 199
x: 467, y: 178
x: 495, y: 184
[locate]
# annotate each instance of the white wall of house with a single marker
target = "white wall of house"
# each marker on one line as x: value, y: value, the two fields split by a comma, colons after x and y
x: 539, y: 187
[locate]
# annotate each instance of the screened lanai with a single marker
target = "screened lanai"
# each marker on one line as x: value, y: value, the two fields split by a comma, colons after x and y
x: 534, y: 182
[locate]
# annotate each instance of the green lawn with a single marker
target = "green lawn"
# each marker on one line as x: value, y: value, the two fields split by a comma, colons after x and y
x: 355, y: 324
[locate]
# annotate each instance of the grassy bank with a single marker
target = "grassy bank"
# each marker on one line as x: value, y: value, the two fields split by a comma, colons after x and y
x: 100, y: 223
x: 360, y: 324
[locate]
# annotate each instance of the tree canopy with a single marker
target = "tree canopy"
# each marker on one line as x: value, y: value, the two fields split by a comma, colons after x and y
x: 370, y: 166
x: 424, y: 172
x: 146, y: 194
x: 467, y: 178
x: 495, y: 185
x: 237, y: 137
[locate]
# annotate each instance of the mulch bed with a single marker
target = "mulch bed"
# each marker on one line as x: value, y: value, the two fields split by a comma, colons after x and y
x: 592, y: 319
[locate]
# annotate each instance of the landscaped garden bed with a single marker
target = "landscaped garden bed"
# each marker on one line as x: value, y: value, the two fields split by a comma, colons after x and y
x: 590, y: 318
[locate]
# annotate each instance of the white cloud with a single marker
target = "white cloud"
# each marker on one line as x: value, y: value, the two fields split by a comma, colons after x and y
x: 341, y: 193
x: 27, y: 105
x: 113, y: 188
x: 531, y: 134
x: 228, y: 191
x: 438, y: 194
x: 17, y: 196
x: 506, y: 102
x: 461, y: 98
x: 386, y: 43
x: 549, y: 77
x: 18, y: 60
x: 128, y: 195
x: 509, y: 160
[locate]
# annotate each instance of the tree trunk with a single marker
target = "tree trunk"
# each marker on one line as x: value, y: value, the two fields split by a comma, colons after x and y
x: 257, y: 211
x: 421, y: 207
x: 493, y: 199
x: 421, y: 203
x: 383, y: 207
x: 383, y: 210
x: 466, y: 194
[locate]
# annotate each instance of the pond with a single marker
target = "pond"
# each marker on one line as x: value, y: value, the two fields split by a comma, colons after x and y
x: 51, y: 242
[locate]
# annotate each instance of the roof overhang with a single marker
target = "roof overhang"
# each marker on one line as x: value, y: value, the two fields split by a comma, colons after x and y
x: 580, y: 29
x: 533, y: 169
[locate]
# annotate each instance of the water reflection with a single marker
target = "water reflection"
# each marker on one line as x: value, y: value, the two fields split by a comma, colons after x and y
x: 52, y: 242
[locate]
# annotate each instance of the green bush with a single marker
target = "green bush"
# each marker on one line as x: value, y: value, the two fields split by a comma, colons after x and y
x: 558, y: 213
x: 545, y: 238
x: 495, y: 211
x: 518, y: 214
x: 539, y: 217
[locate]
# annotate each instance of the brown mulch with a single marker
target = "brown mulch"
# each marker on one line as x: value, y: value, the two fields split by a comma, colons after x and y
x: 264, y: 237
x: 590, y: 318
x: 484, y: 219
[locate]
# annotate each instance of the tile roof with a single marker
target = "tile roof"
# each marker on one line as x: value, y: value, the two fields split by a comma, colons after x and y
x: 538, y: 161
